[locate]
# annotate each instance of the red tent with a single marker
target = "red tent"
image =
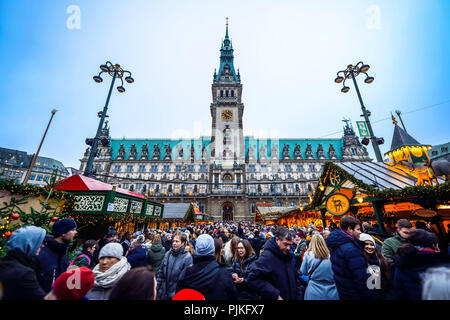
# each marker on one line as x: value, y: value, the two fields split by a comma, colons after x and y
x: 82, y: 183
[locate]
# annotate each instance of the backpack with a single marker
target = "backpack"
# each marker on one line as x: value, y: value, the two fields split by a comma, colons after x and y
x: 80, y: 256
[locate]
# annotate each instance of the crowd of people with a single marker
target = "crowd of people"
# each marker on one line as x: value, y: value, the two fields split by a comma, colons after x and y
x: 228, y: 261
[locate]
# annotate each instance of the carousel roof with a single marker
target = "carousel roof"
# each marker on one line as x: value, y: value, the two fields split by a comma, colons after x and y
x: 81, y: 183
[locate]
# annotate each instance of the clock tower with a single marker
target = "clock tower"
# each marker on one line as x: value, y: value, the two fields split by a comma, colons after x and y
x: 227, y: 141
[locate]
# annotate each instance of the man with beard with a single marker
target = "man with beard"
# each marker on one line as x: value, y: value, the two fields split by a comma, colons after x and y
x: 53, y: 259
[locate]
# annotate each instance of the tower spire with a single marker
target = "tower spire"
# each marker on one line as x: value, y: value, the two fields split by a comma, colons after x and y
x: 226, y: 33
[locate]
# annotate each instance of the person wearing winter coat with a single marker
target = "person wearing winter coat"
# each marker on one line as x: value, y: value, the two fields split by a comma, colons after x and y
x: 317, y: 266
x: 300, y: 248
x: 206, y: 275
x: 348, y: 262
x: 110, y: 237
x: 391, y: 245
x: 86, y: 259
x: 411, y: 261
x: 53, y: 259
x: 229, y: 250
x: 244, y: 257
x: 156, y: 253
x: 378, y: 266
x: 111, y: 268
x: 173, y: 264
x: 17, y: 272
x: 126, y: 242
x: 274, y: 275
x: 257, y: 243
x: 167, y: 244
x: 137, y: 253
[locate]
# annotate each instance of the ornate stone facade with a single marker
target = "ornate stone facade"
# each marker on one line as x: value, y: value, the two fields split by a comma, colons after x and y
x: 226, y: 173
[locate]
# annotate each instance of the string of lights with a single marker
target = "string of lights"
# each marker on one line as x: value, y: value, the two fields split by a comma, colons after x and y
x: 389, y: 118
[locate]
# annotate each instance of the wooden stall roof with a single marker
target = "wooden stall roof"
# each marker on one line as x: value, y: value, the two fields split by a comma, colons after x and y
x: 176, y: 210
x: 81, y: 183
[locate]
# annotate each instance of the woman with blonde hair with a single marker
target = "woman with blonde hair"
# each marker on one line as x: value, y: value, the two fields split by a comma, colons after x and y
x: 316, y: 266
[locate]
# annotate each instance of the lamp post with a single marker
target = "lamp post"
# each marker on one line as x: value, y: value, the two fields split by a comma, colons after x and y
x: 33, y: 161
x: 352, y: 72
x: 115, y: 71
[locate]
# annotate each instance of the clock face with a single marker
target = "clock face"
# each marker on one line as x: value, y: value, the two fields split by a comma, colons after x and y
x: 227, y: 115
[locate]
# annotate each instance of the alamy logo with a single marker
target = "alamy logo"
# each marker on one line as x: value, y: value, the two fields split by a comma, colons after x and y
x: 74, y: 20
x: 374, y: 280
x: 74, y: 281
x: 374, y: 21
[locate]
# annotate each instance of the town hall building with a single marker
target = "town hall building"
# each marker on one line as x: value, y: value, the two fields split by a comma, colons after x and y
x: 226, y: 173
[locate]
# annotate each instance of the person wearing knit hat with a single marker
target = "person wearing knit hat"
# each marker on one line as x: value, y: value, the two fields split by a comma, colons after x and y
x: 62, y: 227
x: 53, y: 259
x: 378, y: 266
x: 205, y: 275
x: 16, y: 268
x: 204, y: 245
x: 73, y: 284
x: 112, y: 266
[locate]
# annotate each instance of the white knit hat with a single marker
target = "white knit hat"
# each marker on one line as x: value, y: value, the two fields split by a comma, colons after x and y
x: 366, y: 237
x: 113, y: 249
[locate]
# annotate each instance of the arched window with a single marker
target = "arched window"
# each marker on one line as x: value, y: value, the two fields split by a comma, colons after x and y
x: 232, y: 93
x: 226, y: 93
x: 221, y: 93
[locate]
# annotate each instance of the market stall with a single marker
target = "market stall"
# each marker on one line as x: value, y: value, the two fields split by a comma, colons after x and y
x: 102, y: 204
x: 380, y: 194
x: 180, y: 214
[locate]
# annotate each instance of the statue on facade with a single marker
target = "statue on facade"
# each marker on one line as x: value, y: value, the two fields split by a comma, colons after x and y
x: 180, y: 152
x: 86, y: 153
x: 156, y: 152
x: 320, y: 153
x: 144, y: 152
x: 192, y: 153
x: 308, y: 152
x: 286, y: 152
x: 133, y: 152
x: 168, y: 154
x: 204, y: 155
x: 274, y: 152
x: 262, y: 153
x: 121, y: 152
x: 297, y: 152
x: 332, y: 152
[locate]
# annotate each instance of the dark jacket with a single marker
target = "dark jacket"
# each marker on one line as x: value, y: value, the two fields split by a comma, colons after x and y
x: 408, y: 267
x: 349, y: 267
x: 51, y: 262
x: 274, y: 274
x: 257, y: 244
x: 209, y: 278
x: 19, y: 278
x: 137, y: 257
x: 242, y: 271
x: 82, y: 261
x: 156, y: 256
x: 174, y: 263
x: 390, y: 247
x: 167, y: 245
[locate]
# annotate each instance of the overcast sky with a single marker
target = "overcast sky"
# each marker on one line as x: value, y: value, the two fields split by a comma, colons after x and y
x: 288, y: 53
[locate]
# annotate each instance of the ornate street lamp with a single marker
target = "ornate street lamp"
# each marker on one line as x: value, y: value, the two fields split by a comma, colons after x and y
x: 116, y: 72
x: 352, y: 72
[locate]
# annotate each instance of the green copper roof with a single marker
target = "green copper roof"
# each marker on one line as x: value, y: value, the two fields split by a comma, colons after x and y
x: 173, y: 143
x: 206, y: 141
x: 256, y: 144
